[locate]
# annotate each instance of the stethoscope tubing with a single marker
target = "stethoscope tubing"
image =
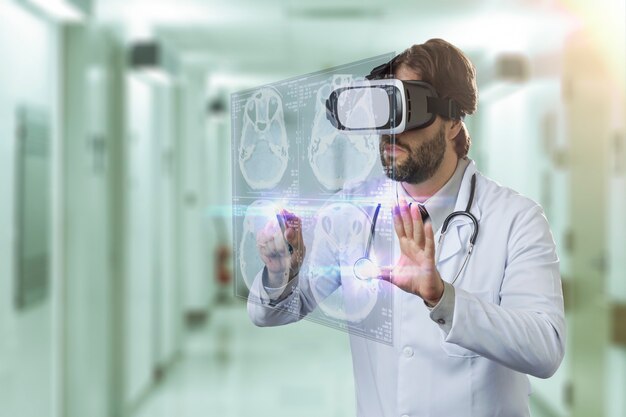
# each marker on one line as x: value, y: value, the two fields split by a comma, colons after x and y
x: 444, y: 229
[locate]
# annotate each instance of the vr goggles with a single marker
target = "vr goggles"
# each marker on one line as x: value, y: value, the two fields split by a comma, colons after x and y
x: 387, y: 106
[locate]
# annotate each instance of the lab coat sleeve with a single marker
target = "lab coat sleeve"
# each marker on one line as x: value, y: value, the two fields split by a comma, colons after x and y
x: 276, y: 295
x: 526, y: 331
x: 281, y: 307
x: 443, y: 312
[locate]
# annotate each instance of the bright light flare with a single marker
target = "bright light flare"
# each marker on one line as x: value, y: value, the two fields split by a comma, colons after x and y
x: 60, y: 10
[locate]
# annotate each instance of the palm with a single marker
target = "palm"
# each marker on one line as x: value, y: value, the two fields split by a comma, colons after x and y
x: 415, y: 271
x: 412, y: 268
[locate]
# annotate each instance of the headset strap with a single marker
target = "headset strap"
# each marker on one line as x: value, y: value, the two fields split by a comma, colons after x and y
x: 445, y: 107
x: 383, y: 70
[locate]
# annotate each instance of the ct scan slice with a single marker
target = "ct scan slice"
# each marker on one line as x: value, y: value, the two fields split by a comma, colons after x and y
x: 263, y: 149
x: 337, y: 158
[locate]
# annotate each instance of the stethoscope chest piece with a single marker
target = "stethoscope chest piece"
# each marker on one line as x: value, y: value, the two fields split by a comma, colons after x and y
x: 366, y: 269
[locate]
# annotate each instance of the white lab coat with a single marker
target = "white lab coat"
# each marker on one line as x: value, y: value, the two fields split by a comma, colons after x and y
x: 508, y: 319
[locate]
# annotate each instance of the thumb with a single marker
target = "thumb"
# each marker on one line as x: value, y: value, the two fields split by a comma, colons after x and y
x: 385, y: 273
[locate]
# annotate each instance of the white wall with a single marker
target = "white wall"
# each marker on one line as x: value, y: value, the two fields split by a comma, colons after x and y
x: 123, y: 347
x: 512, y: 134
x: 198, y: 279
x: 28, y: 346
x: 88, y: 139
x: 141, y: 245
x: 169, y: 316
x: 153, y: 316
x: 518, y: 154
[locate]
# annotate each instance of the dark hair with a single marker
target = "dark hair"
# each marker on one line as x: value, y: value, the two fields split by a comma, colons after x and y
x: 453, y: 75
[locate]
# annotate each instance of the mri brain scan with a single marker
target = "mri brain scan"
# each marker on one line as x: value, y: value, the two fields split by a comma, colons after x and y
x: 343, y: 228
x: 337, y: 158
x: 263, y: 148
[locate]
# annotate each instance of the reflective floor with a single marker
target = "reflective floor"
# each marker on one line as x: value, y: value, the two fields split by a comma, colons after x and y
x: 232, y: 368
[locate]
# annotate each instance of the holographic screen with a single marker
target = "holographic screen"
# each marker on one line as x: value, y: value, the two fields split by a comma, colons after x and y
x: 287, y: 155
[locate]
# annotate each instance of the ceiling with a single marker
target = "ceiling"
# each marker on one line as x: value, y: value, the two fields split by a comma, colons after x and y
x: 279, y: 39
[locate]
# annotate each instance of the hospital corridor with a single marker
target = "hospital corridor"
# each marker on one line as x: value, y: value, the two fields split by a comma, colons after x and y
x: 144, y: 144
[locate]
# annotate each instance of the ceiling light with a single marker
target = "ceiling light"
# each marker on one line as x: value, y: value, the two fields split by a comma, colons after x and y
x: 63, y: 10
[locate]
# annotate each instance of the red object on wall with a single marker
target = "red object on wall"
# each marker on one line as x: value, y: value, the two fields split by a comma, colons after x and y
x: 222, y: 264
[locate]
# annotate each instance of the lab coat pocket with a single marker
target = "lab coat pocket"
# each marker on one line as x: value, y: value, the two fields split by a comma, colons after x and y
x: 455, y: 350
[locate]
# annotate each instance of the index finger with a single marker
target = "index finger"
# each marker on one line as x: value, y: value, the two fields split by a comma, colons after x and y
x: 283, y: 230
x: 398, y: 223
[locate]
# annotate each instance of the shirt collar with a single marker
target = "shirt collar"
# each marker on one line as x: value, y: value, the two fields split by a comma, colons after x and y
x: 442, y: 203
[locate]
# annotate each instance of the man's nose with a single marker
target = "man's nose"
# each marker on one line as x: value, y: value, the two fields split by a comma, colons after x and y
x: 392, y: 138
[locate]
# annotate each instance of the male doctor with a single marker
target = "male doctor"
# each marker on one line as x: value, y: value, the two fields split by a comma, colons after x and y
x: 468, y: 329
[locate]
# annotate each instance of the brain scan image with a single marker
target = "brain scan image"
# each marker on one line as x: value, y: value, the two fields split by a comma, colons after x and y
x: 337, y: 158
x: 263, y: 148
x: 258, y: 214
x: 287, y: 154
x: 344, y: 229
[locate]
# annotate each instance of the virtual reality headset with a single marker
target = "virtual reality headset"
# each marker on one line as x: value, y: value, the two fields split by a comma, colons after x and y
x: 387, y: 106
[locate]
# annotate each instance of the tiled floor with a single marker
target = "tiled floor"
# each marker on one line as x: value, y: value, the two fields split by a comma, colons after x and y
x: 230, y: 368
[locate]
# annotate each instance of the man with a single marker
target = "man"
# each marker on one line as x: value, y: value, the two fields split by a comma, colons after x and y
x: 468, y: 326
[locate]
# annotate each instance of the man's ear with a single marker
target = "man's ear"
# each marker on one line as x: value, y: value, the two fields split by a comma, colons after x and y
x: 454, y: 129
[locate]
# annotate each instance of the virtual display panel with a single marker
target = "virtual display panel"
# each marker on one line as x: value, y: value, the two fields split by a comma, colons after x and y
x: 288, y: 155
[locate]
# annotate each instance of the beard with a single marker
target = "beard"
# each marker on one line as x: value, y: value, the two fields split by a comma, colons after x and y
x: 421, y: 162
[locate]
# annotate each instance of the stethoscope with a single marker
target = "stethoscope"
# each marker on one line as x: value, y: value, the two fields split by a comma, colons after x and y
x: 366, y: 269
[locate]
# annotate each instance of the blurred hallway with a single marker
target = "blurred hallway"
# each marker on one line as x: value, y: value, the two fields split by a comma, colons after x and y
x: 230, y: 368
x: 119, y: 252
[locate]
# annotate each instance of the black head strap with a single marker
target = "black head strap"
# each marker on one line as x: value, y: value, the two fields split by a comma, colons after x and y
x: 444, y: 107
x: 383, y: 70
